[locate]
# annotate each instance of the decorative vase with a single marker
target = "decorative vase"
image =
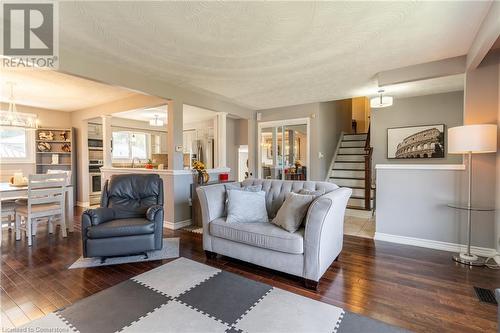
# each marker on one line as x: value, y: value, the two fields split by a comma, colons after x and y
x: 202, y: 177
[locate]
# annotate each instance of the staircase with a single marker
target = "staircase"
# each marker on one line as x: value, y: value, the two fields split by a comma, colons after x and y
x: 352, y: 168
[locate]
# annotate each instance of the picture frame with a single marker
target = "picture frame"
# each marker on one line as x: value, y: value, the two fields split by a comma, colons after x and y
x: 416, y: 142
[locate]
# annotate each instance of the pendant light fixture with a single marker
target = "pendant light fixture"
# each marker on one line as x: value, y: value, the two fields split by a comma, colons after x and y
x: 157, y: 122
x: 381, y: 101
x: 12, y: 118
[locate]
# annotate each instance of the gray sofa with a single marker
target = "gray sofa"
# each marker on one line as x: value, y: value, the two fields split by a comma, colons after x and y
x: 130, y: 219
x: 306, y: 253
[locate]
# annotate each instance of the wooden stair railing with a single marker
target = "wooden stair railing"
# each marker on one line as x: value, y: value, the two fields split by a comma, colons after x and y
x: 368, y: 171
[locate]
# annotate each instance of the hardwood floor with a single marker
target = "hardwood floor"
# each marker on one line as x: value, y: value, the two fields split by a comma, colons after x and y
x: 415, y: 288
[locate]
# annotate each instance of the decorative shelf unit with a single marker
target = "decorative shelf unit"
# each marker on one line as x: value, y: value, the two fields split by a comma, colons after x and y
x: 55, y: 150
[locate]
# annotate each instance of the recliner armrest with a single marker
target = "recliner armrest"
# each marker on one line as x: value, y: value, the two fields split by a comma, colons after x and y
x: 153, y: 211
x: 97, y: 216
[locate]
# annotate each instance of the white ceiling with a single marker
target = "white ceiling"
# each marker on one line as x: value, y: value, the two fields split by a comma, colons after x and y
x: 269, y: 54
x: 57, y: 91
x: 190, y: 114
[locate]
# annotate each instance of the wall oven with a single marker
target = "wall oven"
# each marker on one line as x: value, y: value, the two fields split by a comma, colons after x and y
x: 94, y: 185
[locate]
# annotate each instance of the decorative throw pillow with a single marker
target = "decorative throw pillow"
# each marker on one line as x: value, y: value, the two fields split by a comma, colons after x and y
x: 314, y: 193
x: 238, y: 187
x: 246, y: 206
x: 293, y: 211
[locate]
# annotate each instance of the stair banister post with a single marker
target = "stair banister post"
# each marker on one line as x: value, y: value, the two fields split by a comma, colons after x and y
x: 368, y: 171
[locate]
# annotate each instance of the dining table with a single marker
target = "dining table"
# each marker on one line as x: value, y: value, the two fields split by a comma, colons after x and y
x: 9, y: 191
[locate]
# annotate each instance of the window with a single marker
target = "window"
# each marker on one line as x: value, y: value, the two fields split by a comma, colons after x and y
x: 129, y: 145
x: 16, y: 145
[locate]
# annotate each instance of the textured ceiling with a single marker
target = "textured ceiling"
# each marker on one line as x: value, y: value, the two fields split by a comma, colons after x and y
x: 190, y: 114
x: 269, y: 54
x: 57, y: 91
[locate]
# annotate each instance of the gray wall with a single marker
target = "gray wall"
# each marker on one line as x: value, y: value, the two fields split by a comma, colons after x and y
x: 335, y: 117
x: 236, y: 136
x: 232, y: 147
x: 497, y: 217
x: 413, y: 203
x: 444, y: 108
x: 327, y: 120
x: 481, y: 107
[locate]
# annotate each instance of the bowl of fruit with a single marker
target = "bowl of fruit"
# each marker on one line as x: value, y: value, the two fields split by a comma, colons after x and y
x: 149, y: 165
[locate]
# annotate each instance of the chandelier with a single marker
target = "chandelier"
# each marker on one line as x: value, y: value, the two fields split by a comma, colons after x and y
x: 12, y: 118
x: 157, y: 122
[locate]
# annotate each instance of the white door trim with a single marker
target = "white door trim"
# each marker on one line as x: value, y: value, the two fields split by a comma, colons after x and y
x: 284, y: 122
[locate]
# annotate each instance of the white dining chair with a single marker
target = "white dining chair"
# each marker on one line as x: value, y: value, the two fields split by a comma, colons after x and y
x: 8, y: 215
x: 46, y: 200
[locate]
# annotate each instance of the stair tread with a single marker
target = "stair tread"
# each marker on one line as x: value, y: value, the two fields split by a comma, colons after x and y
x: 357, y: 207
x: 359, y: 197
x: 337, y: 177
x: 351, y: 154
x: 344, y: 169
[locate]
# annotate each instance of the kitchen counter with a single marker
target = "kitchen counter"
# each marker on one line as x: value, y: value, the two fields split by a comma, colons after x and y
x: 176, y: 189
x: 158, y: 171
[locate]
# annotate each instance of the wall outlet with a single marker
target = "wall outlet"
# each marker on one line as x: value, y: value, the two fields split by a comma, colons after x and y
x: 178, y: 148
x: 321, y: 155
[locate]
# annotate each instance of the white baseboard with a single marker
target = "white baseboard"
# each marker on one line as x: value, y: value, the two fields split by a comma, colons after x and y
x: 177, y: 225
x: 433, y: 244
x: 84, y: 204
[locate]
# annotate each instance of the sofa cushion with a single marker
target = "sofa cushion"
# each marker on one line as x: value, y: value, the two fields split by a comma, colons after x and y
x: 245, y: 206
x: 238, y: 187
x: 121, y: 227
x: 293, y: 211
x: 264, y: 235
x: 277, y: 190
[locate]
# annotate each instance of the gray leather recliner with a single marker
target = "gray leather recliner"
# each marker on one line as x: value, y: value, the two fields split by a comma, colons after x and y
x: 130, y: 219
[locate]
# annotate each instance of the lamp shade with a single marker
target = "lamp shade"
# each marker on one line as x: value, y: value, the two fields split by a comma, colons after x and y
x: 472, y: 138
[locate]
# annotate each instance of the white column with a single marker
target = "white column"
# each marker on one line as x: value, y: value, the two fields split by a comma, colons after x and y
x: 220, y: 136
x: 107, y: 136
x: 174, y: 141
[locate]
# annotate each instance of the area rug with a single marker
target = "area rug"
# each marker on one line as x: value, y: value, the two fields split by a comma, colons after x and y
x: 187, y: 296
x: 194, y: 229
x: 170, y: 250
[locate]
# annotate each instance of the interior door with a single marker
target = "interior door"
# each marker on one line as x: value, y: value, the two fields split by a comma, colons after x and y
x: 295, y: 152
x: 284, y: 150
x: 271, y: 141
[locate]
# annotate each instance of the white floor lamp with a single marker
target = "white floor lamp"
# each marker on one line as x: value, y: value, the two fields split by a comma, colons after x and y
x: 471, y: 139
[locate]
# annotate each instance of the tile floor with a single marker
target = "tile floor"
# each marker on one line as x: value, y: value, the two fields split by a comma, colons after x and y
x: 359, y: 226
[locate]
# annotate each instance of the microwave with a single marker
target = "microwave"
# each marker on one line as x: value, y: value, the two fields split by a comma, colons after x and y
x: 95, y: 143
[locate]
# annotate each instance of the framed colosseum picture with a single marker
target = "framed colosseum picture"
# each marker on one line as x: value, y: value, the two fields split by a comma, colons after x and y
x: 416, y: 142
